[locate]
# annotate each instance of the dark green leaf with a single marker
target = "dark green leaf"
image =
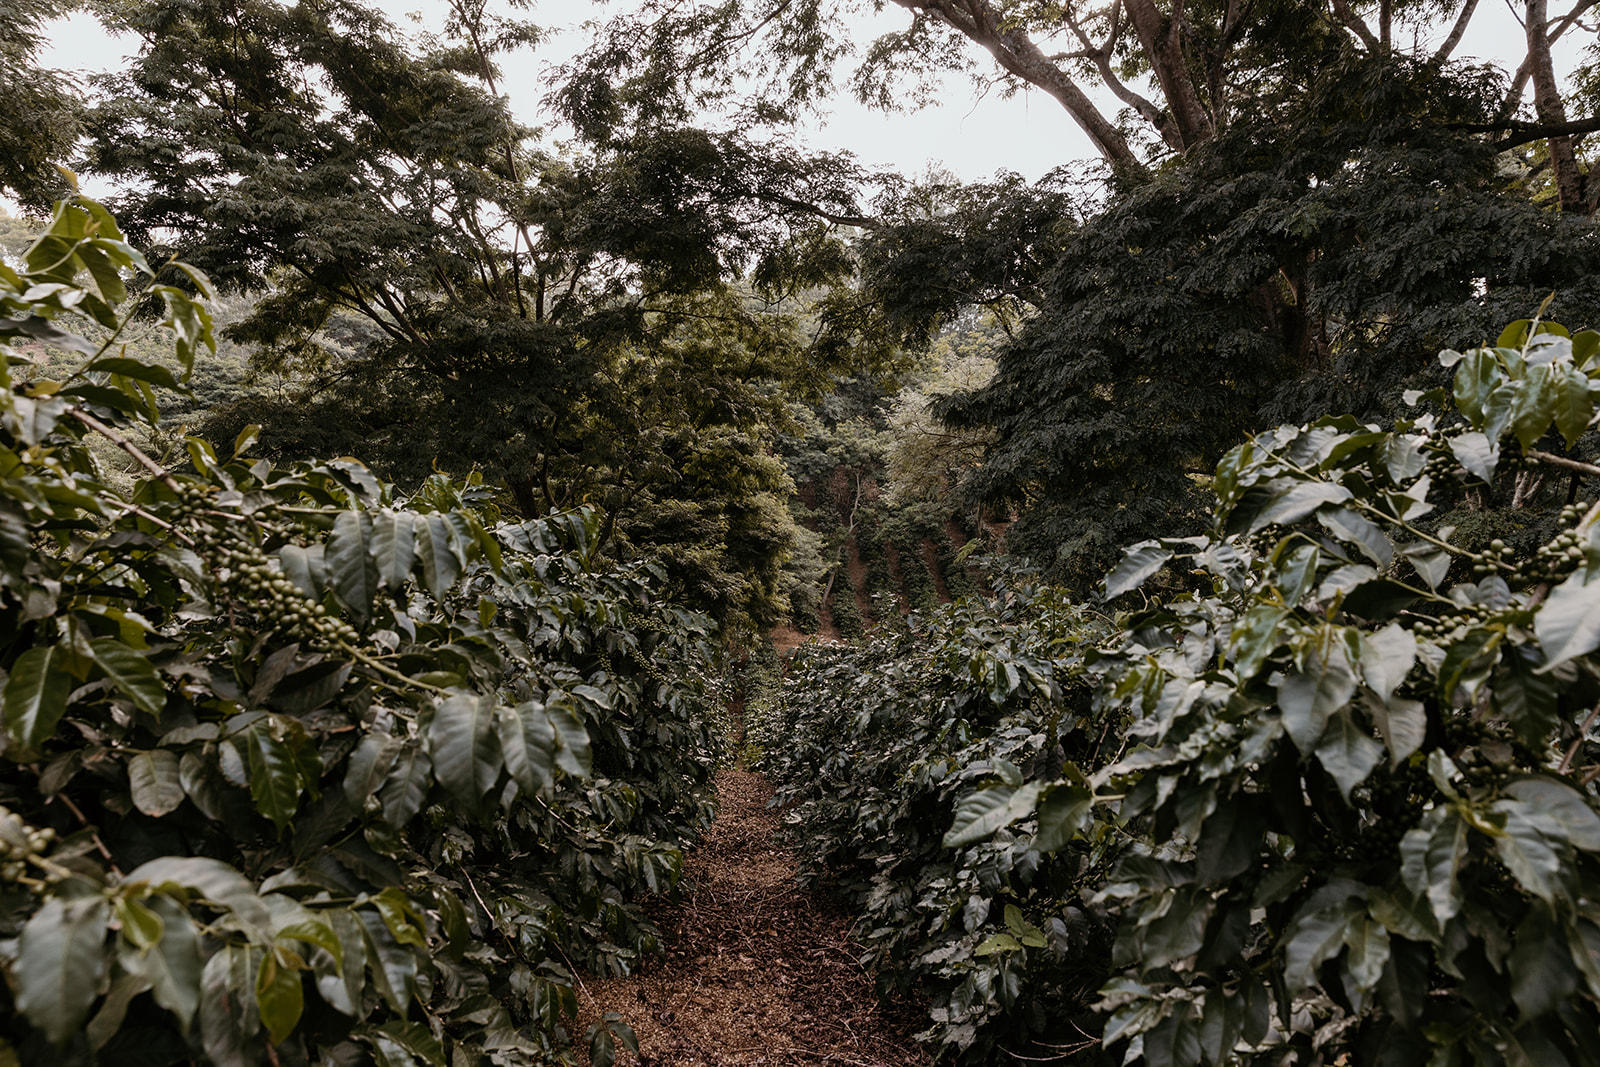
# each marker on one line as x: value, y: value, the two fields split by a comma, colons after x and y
x: 1139, y: 562
x: 461, y: 740
x: 131, y: 672
x: 36, y: 695
x: 1308, y: 699
x: 279, y: 998
x: 60, y: 962
x: 1568, y: 622
x: 979, y: 814
x: 349, y: 555
x: 1346, y: 752
x: 153, y: 782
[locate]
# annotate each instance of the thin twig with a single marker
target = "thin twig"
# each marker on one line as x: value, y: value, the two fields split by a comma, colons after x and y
x: 1577, y: 742
x: 94, y: 835
x: 1562, y: 461
x: 126, y: 445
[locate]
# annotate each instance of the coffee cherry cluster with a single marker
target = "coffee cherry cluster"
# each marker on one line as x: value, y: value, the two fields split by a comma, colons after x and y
x: 245, y: 572
x: 1489, y: 560
x: 20, y: 843
x: 1448, y: 629
x: 1564, y: 551
x: 1442, y: 463
x: 193, y: 498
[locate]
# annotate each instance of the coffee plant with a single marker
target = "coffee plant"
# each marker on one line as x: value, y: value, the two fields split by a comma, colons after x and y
x: 296, y: 769
x: 872, y: 747
x: 1363, y: 789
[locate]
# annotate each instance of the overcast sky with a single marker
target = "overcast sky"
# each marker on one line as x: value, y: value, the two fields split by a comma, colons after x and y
x: 969, y: 136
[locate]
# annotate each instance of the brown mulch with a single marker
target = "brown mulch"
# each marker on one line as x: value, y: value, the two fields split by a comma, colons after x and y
x: 755, y: 970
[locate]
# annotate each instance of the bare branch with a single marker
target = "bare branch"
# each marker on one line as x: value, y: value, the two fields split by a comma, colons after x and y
x: 1456, y: 32
x: 1355, y: 24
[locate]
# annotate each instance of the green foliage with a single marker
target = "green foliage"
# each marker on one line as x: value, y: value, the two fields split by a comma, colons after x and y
x: 1297, y: 264
x: 872, y: 747
x: 612, y: 329
x: 40, y: 119
x: 1351, y: 815
x: 299, y: 770
x: 1365, y: 791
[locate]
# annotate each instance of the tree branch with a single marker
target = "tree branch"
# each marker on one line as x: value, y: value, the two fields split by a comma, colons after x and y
x: 1456, y: 32
x: 1355, y: 24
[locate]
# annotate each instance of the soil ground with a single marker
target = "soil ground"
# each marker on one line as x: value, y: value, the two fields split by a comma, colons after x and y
x: 755, y: 970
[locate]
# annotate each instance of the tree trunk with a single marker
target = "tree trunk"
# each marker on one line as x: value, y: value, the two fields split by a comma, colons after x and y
x: 1162, y: 39
x: 1548, y: 106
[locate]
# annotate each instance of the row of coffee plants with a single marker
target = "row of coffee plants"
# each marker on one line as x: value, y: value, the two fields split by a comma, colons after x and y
x: 294, y: 770
x: 1357, y: 806
x: 871, y: 747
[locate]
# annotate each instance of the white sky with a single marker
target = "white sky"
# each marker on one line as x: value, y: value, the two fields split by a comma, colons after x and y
x: 967, y: 136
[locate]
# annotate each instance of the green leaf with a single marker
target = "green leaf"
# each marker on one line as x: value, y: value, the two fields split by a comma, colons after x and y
x: 417, y: 1040
x: 1255, y: 637
x: 1359, y: 531
x: 114, y: 1009
x: 138, y: 370
x: 274, y: 773
x: 36, y: 695
x: 141, y: 926
x: 528, y: 744
x: 1403, y: 724
x: 1367, y: 951
x: 213, y: 880
x: 173, y: 966
x: 1526, y: 852
x: 1560, y: 810
x: 1574, y: 407
x: 1346, y: 752
x: 131, y: 672
x: 1309, y: 698
x: 393, y: 966
x: 1229, y: 840
x: 461, y: 739
x: 279, y: 997
x: 60, y: 963
x: 436, y: 548
x: 368, y: 767
x: 1567, y: 625
x: 1477, y: 453
x: 313, y: 932
x: 1477, y: 374
x: 1534, y: 405
x: 1063, y: 812
x: 349, y: 556
x: 406, y: 786
x: 393, y: 547
x: 572, y: 738
x: 1431, y: 857
x: 997, y: 943
x: 1386, y: 658
x: 154, y: 783
x: 981, y: 813
x: 1542, y: 973
x: 1316, y: 936
x: 1174, y: 1041
x: 400, y: 915
x: 1297, y: 501
x: 228, y: 1014
x: 1139, y: 562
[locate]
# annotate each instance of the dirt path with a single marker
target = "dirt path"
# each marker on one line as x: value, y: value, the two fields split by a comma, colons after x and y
x: 755, y: 971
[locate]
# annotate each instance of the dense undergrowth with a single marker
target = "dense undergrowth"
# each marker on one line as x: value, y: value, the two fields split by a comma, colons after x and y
x: 1348, y: 809
x: 872, y: 745
x: 296, y: 770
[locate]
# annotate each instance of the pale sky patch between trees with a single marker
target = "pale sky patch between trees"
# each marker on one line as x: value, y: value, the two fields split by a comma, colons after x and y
x: 969, y: 133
